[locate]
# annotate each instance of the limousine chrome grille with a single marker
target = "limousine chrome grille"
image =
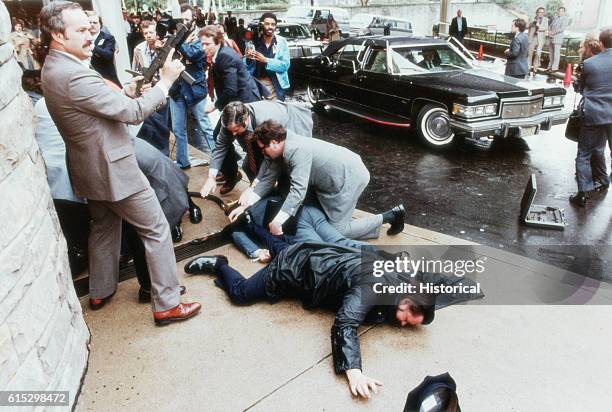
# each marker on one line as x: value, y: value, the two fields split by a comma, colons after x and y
x: 521, y: 108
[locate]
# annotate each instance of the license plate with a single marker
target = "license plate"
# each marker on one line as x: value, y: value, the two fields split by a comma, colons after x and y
x: 528, y: 131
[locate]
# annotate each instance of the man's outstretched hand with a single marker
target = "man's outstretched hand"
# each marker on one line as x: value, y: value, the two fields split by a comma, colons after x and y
x: 361, y: 384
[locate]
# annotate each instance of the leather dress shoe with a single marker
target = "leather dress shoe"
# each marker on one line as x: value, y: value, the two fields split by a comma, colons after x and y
x: 601, y: 187
x: 397, y: 222
x: 579, y: 199
x: 230, y: 184
x: 144, y: 295
x: 205, y: 264
x: 177, y: 233
x: 220, y: 178
x: 240, y: 221
x: 181, y: 312
x: 195, y: 214
x: 95, y: 304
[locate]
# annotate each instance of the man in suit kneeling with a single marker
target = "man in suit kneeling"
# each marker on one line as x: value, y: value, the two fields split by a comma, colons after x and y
x: 336, y: 175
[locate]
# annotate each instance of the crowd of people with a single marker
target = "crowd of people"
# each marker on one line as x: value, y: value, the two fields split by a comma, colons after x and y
x: 103, y: 142
x: 110, y: 180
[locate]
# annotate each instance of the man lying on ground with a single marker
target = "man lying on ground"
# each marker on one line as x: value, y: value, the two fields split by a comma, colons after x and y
x: 323, y: 275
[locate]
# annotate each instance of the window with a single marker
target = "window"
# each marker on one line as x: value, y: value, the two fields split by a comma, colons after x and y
x: 377, y: 61
x: 410, y: 60
x: 347, y: 52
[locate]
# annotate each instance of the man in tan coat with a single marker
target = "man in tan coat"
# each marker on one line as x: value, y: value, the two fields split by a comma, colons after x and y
x: 92, y: 119
x: 537, y: 37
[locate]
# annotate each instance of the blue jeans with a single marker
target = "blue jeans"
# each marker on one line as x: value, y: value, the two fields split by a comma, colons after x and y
x: 591, y: 160
x: 242, y: 238
x: 178, y: 110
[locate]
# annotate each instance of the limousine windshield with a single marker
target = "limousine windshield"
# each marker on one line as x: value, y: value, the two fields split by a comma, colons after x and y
x: 425, y: 59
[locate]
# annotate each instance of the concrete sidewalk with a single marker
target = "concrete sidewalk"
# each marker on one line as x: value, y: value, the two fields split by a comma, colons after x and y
x: 277, y: 357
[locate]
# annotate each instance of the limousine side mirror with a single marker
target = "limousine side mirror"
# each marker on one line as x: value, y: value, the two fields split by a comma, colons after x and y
x: 325, y: 60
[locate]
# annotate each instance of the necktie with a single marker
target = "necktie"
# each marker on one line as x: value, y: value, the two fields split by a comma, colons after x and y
x: 251, y: 162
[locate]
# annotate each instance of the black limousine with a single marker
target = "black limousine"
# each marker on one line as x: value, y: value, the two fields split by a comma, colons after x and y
x: 429, y: 84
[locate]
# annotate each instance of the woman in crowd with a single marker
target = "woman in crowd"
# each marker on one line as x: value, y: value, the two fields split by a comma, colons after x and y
x: 22, y: 42
x: 332, y: 31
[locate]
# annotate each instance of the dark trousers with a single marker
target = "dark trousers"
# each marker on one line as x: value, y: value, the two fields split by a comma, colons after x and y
x: 240, y: 290
x: 591, y: 160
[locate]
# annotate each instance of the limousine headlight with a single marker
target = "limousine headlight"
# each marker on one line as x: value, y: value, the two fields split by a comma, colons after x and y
x: 552, y: 101
x: 471, y: 112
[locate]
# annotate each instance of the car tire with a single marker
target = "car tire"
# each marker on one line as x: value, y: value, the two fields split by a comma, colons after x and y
x: 433, y: 127
x: 314, y: 95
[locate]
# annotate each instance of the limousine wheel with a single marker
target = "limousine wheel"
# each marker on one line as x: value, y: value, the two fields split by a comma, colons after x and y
x: 434, y: 127
x: 314, y: 95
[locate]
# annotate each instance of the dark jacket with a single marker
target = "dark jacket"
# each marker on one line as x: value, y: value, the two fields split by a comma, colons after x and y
x: 103, y: 58
x: 232, y: 79
x: 518, y: 56
x: 195, y: 60
x: 167, y: 180
x: 331, y: 276
x: 454, y: 28
x: 597, y: 90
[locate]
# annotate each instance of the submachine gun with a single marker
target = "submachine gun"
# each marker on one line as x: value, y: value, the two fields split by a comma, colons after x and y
x: 173, y: 41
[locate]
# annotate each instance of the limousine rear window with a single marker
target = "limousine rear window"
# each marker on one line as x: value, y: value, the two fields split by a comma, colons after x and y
x: 412, y: 60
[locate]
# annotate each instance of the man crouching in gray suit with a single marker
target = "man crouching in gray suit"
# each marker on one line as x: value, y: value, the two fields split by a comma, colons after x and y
x: 92, y: 119
x: 336, y: 175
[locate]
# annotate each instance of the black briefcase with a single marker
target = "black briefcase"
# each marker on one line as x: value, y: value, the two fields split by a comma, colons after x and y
x: 574, y: 124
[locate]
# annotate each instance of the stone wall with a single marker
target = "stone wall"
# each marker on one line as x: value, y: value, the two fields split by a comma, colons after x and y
x: 43, y: 336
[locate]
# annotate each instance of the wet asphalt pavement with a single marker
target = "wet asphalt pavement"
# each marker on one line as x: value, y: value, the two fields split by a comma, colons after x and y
x: 475, y: 194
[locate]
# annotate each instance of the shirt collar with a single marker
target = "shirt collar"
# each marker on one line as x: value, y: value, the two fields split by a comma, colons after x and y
x: 83, y: 62
x: 214, y: 58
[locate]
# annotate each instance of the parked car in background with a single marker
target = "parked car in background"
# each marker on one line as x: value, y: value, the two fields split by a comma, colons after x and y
x: 315, y: 17
x: 364, y: 24
x: 299, y: 39
x: 429, y: 85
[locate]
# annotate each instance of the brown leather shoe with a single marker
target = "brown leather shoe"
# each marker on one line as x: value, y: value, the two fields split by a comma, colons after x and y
x: 230, y: 184
x: 95, y: 304
x: 220, y: 178
x: 181, y: 312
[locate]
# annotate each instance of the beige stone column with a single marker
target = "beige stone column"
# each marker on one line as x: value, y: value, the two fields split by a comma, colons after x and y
x: 43, y: 336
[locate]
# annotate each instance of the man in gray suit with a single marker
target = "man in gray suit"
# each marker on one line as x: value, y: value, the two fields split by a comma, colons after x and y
x: 336, y: 175
x: 537, y: 37
x: 92, y: 119
x: 238, y: 120
x: 556, y: 33
x: 597, y: 126
x: 518, y: 53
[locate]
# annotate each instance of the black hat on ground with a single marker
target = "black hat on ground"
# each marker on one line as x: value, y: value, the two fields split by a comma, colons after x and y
x: 434, y: 394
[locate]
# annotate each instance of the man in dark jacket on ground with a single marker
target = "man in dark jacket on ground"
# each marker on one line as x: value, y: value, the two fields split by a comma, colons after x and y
x: 329, y: 276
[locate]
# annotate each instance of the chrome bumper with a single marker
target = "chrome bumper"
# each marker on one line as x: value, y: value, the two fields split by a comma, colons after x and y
x: 510, y: 127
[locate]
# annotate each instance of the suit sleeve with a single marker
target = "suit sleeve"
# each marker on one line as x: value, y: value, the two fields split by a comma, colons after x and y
x: 346, y: 352
x: 515, y: 49
x: 107, y: 50
x: 91, y: 95
x: 266, y: 178
x: 224, y: 141
x: 300, y: 165
x: 229, y: 74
